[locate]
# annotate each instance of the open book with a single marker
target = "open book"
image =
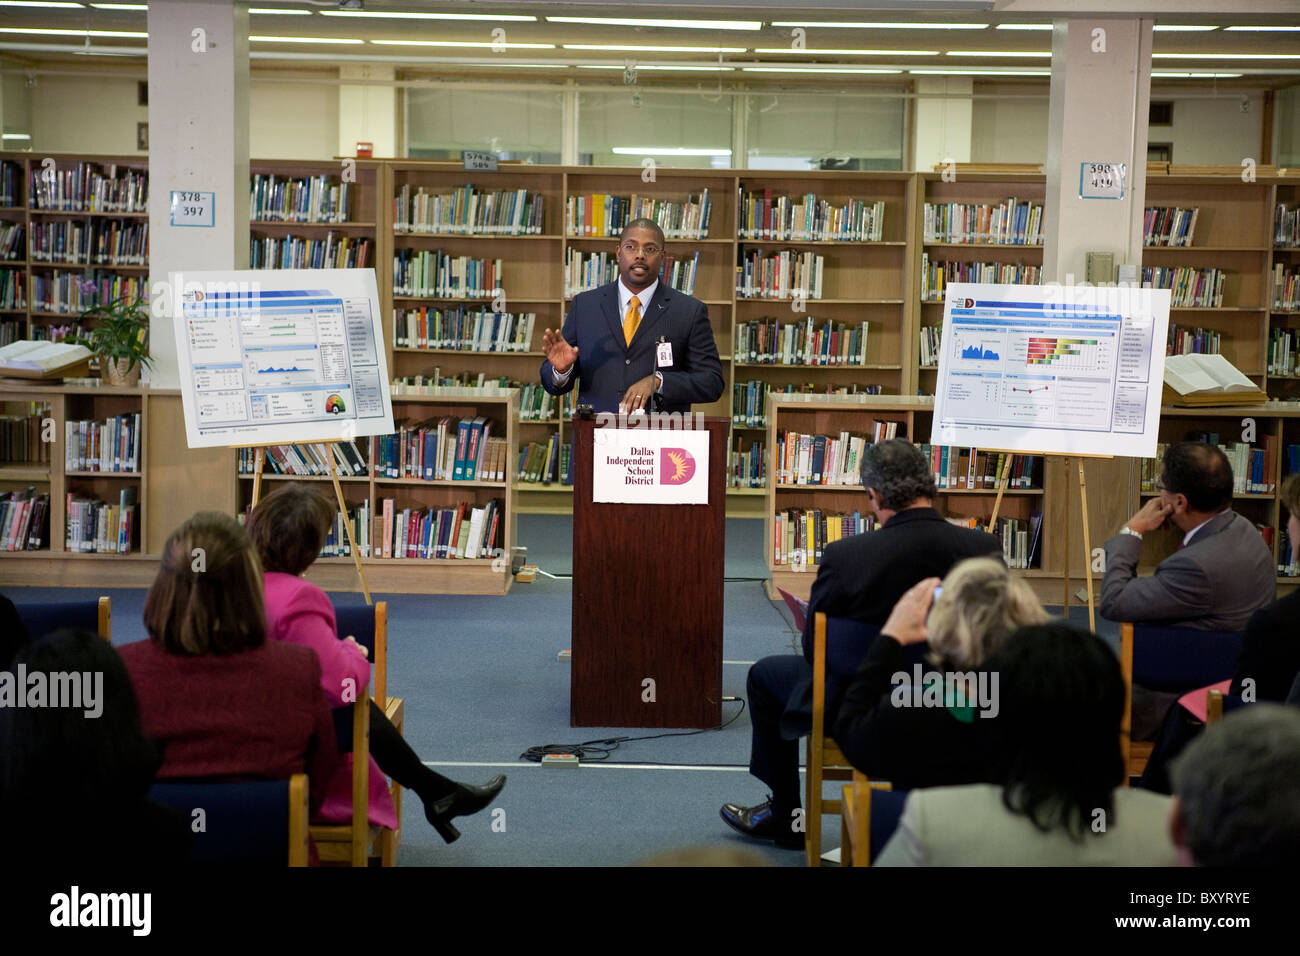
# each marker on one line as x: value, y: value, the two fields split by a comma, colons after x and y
x: 1208, y: 380
x: 43, y: 359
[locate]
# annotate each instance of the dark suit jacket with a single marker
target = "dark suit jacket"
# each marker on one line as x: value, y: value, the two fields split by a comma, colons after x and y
x: 607, y: 367
x: 863, y: 576
x: 1214, y: 584
x: 1270, y: 650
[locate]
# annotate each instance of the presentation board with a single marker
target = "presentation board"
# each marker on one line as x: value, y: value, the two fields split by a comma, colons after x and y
x: 1055, y: 369
x: 278, y: 356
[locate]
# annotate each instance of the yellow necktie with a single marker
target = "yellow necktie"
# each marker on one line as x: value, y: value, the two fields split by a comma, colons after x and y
x: 632, y: 320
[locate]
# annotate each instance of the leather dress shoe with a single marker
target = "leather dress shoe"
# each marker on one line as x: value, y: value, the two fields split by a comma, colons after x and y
x: 461, y: 802
x: 761, y: 823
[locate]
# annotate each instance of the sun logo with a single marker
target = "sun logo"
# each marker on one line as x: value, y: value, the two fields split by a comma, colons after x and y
x: 676, y: 466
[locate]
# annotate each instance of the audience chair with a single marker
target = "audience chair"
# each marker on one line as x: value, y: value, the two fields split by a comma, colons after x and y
x: 356, y: 842
x: 44, y: 617
x: 245, y: 822
x: 839, y: 645
x: 1217, y: 704
x: 859, y: 829
x: 369, y: 626
x: 1168, y: 659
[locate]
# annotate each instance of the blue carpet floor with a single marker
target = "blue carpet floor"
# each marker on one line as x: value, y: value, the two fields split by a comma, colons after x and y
x: 482, y: 683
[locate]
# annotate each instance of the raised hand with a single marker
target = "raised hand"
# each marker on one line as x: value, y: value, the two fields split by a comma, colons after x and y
x: 559, y: 353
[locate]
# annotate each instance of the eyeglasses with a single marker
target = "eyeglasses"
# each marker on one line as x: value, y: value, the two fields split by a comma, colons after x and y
x: 1161, y: 486
x: 650, y: 249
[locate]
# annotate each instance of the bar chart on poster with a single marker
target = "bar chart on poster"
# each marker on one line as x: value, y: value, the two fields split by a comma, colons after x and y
x: 281, y: 356
x: 1051, y: 369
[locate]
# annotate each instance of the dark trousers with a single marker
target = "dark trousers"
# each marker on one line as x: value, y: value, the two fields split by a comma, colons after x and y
x: 1179, y: 729
x: 393, y: 754
x: 773, y: 754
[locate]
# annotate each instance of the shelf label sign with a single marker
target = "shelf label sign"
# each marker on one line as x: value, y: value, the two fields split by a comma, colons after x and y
x: 1102, y: 180
x: 191, y: 208
x: 479, y: 162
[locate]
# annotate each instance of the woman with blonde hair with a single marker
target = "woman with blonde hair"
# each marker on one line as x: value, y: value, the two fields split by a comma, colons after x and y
x: 920, y: 727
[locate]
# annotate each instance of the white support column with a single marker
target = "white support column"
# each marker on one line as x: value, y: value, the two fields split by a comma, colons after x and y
x: 1099, y: 104
x: 942, y: 126
x: 368, y: 113
x: 198, y: 141
x: 569, y: 126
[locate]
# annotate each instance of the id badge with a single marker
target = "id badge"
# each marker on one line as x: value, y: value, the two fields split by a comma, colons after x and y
x: 664, y: 355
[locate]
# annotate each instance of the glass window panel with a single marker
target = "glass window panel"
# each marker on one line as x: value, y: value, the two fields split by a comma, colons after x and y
x: 649, y: 123
x: 517, y: 124
x: 824, y: 131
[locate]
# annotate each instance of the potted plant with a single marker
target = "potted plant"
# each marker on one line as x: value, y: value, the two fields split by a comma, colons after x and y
x: 120, y: 336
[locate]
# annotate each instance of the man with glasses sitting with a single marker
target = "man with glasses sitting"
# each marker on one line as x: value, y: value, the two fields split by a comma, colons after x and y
x: 635, y: 344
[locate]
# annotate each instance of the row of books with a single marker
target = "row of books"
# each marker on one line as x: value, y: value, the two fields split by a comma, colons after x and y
x: 1014, y: 222
x: 12, y: 331
x: 97, y: 242
x: 24, y: 520
x: 463, y: 329
x: 969, y: 469
x: 768, y: 341
x: 800, y: 535
x: 11, y: 290
x: 291, y: 252
x: 109, y: 445
x: 601, y: 215
x: 1286, y: 225
x: 809, y: 218
x: 305, y: 460
x: 444, y: 449
x: 546, y: 462
x: 1281, y: 351
x: 930, y: 338
x: 1252, y: 467
x: 536, y: 404
x: 1019, y: 539
x: 935, y: 276
x: 784, y: 275
x: 1286, y: 289
x: 803, y: 459
x: 11, y: 240
x: 1198, y: 341
x: 584, y: 271
x: 1168, y: 225
x: 68, y: 292
x: 11, y: 183
x: 455, y: 532
x: 435, y: 273
x: 749, y: 404
x: 1192, y: 288
x: 747, y: 468
x: 22, y: 436
x: 297, y: 199
x: 466, y: 211
x: 1288, y: 561
x: 91, y: 525
x: 54, y: 333
x: 87, y: 187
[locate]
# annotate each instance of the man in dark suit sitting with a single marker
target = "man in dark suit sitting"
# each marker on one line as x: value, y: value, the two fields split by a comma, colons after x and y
x: 1222, y: 572
x: 860, y: 577
x: 635, y: 339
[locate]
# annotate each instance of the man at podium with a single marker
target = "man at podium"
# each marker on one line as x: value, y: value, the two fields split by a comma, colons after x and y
x: 635, y: 343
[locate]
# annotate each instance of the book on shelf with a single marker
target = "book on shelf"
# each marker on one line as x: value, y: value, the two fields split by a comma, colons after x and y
x: 1286, y: 288
x: 1199, y: 380
x: 1019, y: 539
x: 463, y: 329
x: 584, y: 271
x: 969, y: 469
x: 1191, y: 288
x: 1286, y: 226
x: 747, y: 468
x: 800, y: 535
x: 35, y: 359
x: 12, y: 246
x: 70, y: 293
x: 466, y: 211
x: 111, y: 445
x: 749, y: 404
x: 768, y: 341
x: 1198, y: 341
x: 436, y: 274
x: 106, y: 242
x: 292, y: 252
x: 602, y: 215
x: 1169, y: 225
x: 1013, y: 223
x: 441, y: 449
x: 274, y: 198
x: 24, y: 520
x: 11, y: 293
x: 540, y: 462
x: 93, y: 526
x: 931, y: 336
x: 337, y: 544
x: 21, y: 436
x: 11, y: 183
x: 809, y: 218
x: 783, y: 275
x: 936, y: 276
x: 306, y: 459
x: 464, y: 531
x: 86, y: 187
x: 825, y: 460
x: 1252, y: 465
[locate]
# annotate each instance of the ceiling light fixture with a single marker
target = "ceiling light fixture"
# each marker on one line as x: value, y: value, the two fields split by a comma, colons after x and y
x: 396, y: 15
x: 667, y: 24
x: 786, y: 50
x: 613, y: 47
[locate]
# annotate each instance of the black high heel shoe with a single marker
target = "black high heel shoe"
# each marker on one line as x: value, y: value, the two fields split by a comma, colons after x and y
x: 466, y: 799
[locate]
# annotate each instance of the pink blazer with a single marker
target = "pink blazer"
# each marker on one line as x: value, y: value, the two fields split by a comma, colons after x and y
x: 300, y: 613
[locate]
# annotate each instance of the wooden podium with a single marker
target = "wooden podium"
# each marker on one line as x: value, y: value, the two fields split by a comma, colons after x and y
x: 647, y: 596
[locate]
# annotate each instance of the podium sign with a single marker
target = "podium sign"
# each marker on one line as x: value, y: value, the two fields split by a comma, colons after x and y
x: 648, y: 574
x: 637, y: 466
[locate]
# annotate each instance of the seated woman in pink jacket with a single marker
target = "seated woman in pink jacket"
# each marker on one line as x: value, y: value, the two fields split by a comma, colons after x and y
x: 288, y: 528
